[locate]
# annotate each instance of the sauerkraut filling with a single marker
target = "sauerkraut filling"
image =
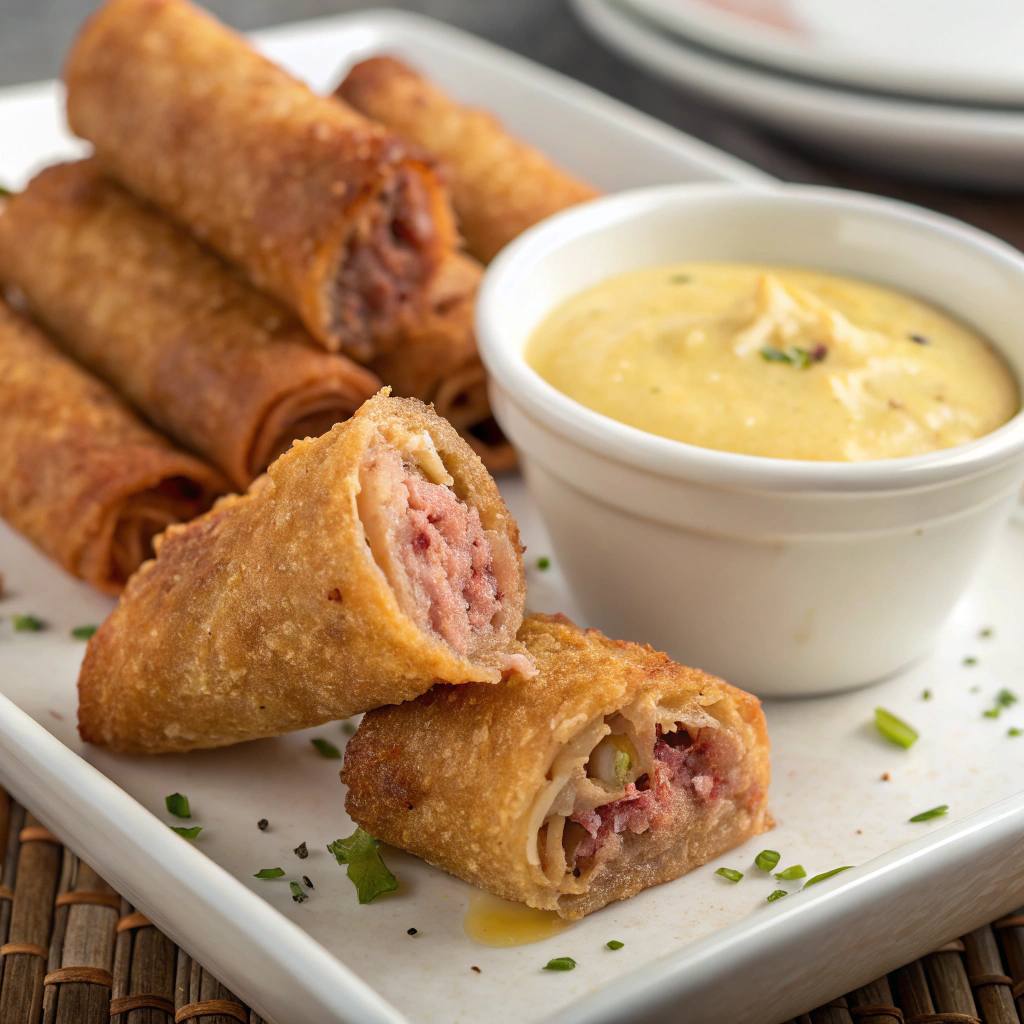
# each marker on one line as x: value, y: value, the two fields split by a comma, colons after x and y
x: 626, y: 774
x: 445, y: 568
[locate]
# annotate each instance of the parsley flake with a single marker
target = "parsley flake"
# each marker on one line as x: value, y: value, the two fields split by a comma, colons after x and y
x: 177, y: 804
x: 83, y: 632
x: 733, y: 876
x: 986, y: 632
x: 1013, y: 731
x: 543, y: 562
x: 796, y: 871
x: 926, y: 695
x: 935, y: 812
x: 326, y: 749
x: 297, y: 894
x: 367, y: 872
x: 615, y: 944
x: 970, y: 660
x: 348, y: 728
x: 777, y: 895
x: 560, y: 963
x: 767, y: 859
x: 894, y: 729
x: 826, y: 874
x: 269, y: 873
x: 186, y: 833
x: 27, y: 624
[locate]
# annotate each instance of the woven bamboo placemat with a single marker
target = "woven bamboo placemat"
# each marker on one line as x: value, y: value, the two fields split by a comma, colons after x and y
x: 74, y: 952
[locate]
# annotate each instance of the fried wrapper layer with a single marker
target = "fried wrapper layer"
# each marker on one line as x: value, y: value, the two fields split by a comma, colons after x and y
x: 434, y: 357
x: 222, y: 368
x: 612, y: 770
x: 500, y: 185
x: 365, y: 565
x: 80, y: 475
x: 322, y: 208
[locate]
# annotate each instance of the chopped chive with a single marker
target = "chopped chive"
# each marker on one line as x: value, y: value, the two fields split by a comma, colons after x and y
x: 348, y: 728
x: 826, y: 874
x: 177, y: 804
x: 992, y: 712
x: 895, y: 730
x: 297, y: 894
x: 1003, y: 699
x: 926, y: 695
x: 935, y: 812
x: 970, y: 660
x: 300, y: 851
x: 187, y: 833
x: 560, y: 963
x: 733, y: 876
x: 262, y: 824
x: 367, y: 872
x: 27, y: 624
x: 788, y: 874
x: 326, y: 749
x: 83, y: 632
x: 269, y: 873
x: 777, y: 895
x: 543, y: 562
x: 1013, y: 731
x: 770, y: 354
x: 986, y: 632
x: 767, y: 859
x: 615, y: 944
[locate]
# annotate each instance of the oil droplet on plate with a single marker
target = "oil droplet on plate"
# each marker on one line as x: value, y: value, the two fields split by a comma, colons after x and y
x: 492, y: 921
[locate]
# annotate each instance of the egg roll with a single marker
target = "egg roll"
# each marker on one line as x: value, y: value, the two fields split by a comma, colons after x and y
x: 80, y: 474
x: 322, y: 208
x: 500, y: 185
x: 364, y: 566
x: 222, y: 368
x: 611, y: 770
x: 434, y: 358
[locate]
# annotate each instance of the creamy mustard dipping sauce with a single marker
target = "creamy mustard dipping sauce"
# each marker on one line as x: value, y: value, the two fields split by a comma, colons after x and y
x: 774, y: 361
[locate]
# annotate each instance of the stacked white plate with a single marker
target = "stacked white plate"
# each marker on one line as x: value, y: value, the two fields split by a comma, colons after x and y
x: 932, y: 89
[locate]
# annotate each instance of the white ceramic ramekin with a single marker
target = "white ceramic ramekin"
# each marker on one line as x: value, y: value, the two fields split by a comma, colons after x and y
x: 785, y: 577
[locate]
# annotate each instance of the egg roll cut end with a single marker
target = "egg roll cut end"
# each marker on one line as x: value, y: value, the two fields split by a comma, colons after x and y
x: 449, y: 574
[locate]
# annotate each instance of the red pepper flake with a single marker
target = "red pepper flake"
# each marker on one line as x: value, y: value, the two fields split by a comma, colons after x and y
x: 334, y: 595
x: 819, y: 352
x: 885, y: 776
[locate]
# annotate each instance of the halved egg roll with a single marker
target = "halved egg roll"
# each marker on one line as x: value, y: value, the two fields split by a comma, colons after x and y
x: 219, y: 366
x: 611, y: 770
x: 80, y: 474
x: 434, y: 357
x: 320, y: 207
x: 364, y: 566
x: 500, y: 185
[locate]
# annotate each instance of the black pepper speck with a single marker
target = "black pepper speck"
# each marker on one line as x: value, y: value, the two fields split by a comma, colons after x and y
x: 262, y: 824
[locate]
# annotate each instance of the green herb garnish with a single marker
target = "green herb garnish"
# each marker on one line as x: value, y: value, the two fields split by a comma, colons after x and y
x: 826, y: 874
x: 368, y: 873
x: 787, y: 875
x: 935, y: 812
x: 326, y: 749
x: 1003, y: 699
x: 177, y: 804
x: 543, y: 562
x: 297, y: 894
x: 187, y: 833
x: 27, y: 624
x: 269, y: 873
x: 970, y: 660
x: 777, y: 895
x: 895, y: 730
x: 986, y: 632
x: 733, y: 876
x: 301, y: 851
x: 83, y: 632
x: 1013, y: 731
x: 615, y: 944
x: 770, y: 354
x: 926, y: 695
x: 801, y: 358
x: 767, y: 859
x: 5, y: 191
x: 348, y: 728
x: 560, y: 963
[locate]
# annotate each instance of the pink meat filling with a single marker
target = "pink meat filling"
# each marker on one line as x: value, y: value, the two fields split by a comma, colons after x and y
x: 448, y: 562
x: 679, y: 762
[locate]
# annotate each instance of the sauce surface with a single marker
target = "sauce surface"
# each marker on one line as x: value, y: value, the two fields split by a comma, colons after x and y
x: 492, y: 921
x: 774, y: 361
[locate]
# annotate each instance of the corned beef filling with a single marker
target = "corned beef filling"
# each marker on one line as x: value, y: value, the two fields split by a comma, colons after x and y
x: 431, y: 545
x: 680, y: 762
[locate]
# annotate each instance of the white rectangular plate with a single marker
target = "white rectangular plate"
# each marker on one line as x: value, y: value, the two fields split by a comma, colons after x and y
x: 701, y: 948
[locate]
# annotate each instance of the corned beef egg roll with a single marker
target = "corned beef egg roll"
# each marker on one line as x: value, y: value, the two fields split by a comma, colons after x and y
x: 434, y: 357
x: 221, y: 367
x: 364, y: 566
x: 80, y: 474
x: 500, y: 185
x: 320, y: 207
x: 611, y: 770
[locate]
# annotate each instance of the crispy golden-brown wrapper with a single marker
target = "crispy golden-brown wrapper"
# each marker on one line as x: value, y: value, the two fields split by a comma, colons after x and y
x: 351, y: 575
x: 433, y: 357
x: 322, y: 208
x: 612, y: 770
x: 80, y: 475
x: 500, y: 185
x: 222, y: 368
